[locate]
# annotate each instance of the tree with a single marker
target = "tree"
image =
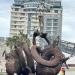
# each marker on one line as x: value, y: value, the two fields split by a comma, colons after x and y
x: 15, y: 40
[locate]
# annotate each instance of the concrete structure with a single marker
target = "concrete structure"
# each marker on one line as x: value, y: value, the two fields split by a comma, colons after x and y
x: 2, y: 58
x: 2, y: 65
x: 2, y: 48
x: 28, y: 15
x: 2, y: 45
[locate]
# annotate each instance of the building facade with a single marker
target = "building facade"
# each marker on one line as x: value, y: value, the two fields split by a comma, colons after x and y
x: 18, y: 20
x: 29, y: 15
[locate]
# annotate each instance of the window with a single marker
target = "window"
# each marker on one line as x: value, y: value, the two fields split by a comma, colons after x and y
x: 43, y: 0
x: 56, y: 11
x: 29, y: 19
x: 15, y: 13
x: 58, y: 3
x: 20, y: 26
x: 55, y: 24
x: 15, y: 26
x: 48, y: 28
x: 15, y: 17
x: 16, y: 9
x: 21, y: 18
x: 55, y: 20
x: 20, y: 30
x: 29, y: 9
x: 22, y: 13
x: 49, y: 20
x: 24, y: 9
x: 49, y: 24
x: 55, y: 28
x: 15, y: 22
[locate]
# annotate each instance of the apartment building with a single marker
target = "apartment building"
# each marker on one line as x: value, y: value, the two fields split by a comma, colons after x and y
x: 29, y: 15
x: 18, y: 20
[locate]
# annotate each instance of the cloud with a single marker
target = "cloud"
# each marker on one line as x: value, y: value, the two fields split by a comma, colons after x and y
x: 6, y: 1
x: 4, y: 26
x: 68, y: 27
x: 67, y: 4
x: 5, y: 6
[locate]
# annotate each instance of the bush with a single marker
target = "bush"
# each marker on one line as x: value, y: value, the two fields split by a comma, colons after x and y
x: 1, y: 74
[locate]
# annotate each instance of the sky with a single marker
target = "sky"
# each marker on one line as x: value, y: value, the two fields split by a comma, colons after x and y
x: 5, y: 6
x: 68, y: 20
x: 68, y: 28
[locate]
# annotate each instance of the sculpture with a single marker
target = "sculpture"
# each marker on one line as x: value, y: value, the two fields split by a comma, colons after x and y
x: 51, y: 59
x: 17, y: 63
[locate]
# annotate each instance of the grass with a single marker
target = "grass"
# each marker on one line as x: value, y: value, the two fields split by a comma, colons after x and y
x: 2, y: 74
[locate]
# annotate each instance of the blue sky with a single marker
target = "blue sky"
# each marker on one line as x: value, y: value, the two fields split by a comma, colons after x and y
x: 68, y: 28
x: 68, y: 20
x: 5, y: 17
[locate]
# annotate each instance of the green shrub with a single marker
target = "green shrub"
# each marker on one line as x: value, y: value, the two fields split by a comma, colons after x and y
x: 1, y: 74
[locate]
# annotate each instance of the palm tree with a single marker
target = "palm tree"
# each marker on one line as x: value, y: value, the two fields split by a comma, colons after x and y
x: 24, y: 38
x: 11, y: 41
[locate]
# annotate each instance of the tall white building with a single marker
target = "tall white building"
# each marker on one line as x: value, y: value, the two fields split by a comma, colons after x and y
x: 18, y: 20
x: 28, y: 15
